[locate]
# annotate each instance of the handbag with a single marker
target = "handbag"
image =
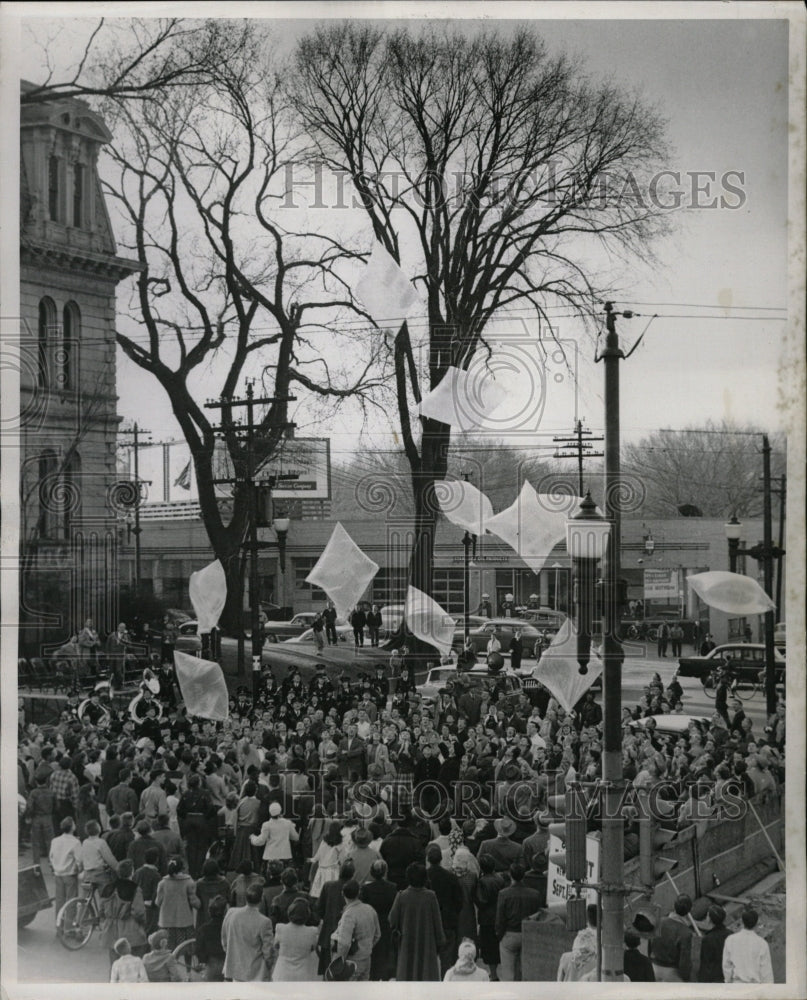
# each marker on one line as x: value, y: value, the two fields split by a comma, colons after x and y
x: 340, y: 971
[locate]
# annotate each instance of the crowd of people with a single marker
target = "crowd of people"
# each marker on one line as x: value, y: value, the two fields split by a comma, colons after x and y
x: 345, y: 828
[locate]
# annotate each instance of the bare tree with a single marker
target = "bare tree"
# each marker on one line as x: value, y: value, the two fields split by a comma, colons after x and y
x: 491, y: 168
x: 714, y: 470
x: 223, y: 289
x: 132, y: 58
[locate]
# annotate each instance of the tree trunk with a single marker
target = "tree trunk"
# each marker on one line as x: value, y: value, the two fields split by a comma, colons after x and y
x: 433, y: 467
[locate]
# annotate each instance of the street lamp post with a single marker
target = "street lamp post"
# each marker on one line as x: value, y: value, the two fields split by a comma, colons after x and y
x: 586, y: 540
x: 765, y: 554
x: 733, y: 531
x: 468, y: 542
x: 612, y: 892
x: 281, y: 526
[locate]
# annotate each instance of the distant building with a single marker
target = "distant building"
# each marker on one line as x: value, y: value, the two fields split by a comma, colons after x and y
x: 69, y: 270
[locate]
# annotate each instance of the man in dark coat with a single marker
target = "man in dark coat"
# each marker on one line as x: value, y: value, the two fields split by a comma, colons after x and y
x: 515, y: 904
x: 711, y: 963
x: 352, y: 755
x: 399, y: 849
x: 502, y: 848
x: 358, y: 620
x: 380, y: 894
x: 486, y: 897
x: 446, y: 886
x: 638, y: 967
x: 516, y: 650
x: 374, y: 624
x: 329, y: 909
x: 415, y: 916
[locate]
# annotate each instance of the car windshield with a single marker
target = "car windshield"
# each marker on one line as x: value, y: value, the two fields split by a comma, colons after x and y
x: 441, y: 674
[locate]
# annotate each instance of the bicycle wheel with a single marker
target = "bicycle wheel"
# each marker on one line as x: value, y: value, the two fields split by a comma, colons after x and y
x: 185, y: 954
x: 77, y: 921
x: 745, y: 690
x: 652, y: 634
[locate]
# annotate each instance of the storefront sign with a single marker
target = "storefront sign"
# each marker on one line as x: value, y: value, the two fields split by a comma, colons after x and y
x: 660, y: 584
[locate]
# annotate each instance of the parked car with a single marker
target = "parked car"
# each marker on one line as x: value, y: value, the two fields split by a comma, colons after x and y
x: 188, y: 639
x: 391, y: 618
x: 32, y: 894
x: 343, y: 633
x: 503, y: 629
x: 479, y: 676
x: 544, y: 618
x: 745, y: 660
x: 279, y: 631
x: 672, y: 724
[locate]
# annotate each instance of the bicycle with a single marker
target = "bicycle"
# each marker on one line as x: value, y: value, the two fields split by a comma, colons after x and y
x: 185, y: 954
x: 746, y: 692
x: 641, y: 630
x: 78, y: 918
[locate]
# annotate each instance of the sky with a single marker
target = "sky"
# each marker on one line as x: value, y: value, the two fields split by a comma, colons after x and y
x: 718, y: 285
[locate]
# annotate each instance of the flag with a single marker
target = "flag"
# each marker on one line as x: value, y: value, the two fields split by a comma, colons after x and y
x: 183, y: 480
x: 386, y: 292
x: 731, y: 592
x: 343, y: 571
x: 463, y: 505
x: 428, y: 621
x: 207, y: 589
x: 533, y: 525
x: 464, y: 399
x: 203, y: 687
x: 559, y: 670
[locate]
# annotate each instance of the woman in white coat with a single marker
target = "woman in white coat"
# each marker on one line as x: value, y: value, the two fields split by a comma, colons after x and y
x: 276, y: 836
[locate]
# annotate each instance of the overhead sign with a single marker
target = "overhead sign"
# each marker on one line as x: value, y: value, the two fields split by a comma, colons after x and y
x: 660, y: 584
x: 301, y: 469
x: 309, y: 459
x: 558, y: 888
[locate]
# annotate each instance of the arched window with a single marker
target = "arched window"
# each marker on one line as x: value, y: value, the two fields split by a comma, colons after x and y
x: 48, y: 495
x: 66, y: 361
x: 45, y: 328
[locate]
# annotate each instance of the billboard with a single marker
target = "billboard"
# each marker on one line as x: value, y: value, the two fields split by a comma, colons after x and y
x: 307, y: 458
x: 660, y: 584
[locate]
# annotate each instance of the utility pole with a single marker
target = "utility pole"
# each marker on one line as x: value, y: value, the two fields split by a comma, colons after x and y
x: 767, y: 542
x: 612, y: 879
x: 252, y: 545
x: 581, y: 442
x: 468, y: 543
x: 781, y: 491
x: 137, y: 444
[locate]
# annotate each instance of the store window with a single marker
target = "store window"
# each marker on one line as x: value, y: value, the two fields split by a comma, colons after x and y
x: 389, y: 586
x: 449, y: 589
x: 302, y: 567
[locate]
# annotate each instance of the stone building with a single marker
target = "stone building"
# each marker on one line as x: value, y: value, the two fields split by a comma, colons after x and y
x: 69, y: 271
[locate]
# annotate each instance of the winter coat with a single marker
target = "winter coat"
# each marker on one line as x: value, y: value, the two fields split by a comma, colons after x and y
x: 123, y: 913
x: 177, y: 899
x: 415, y: 918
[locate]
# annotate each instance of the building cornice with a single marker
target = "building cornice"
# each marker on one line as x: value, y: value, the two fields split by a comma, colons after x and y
x: 72, y: 259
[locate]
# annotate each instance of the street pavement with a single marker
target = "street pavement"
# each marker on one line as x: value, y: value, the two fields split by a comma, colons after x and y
x: 42, y: 959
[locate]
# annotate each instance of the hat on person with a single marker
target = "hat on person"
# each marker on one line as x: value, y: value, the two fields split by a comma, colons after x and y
x: 362, y: 837
x: 700, y: 913
x: 275, y: 809
x: 157, y: 937
x: 505, y: 827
